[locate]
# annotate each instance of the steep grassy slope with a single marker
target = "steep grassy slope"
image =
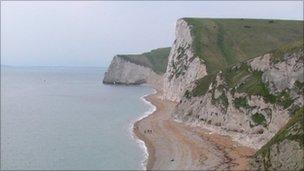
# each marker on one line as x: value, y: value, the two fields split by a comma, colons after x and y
x: 252, y: 99
x: 224, y: 42
x: 254, y: 83
x: 286, y: 132
x: 242, y: 79
x: 156, y: 59
x: 277, y: 154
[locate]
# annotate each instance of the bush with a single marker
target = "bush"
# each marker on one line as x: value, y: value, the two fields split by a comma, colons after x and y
x: 241, y: 102
x: 259, y: 119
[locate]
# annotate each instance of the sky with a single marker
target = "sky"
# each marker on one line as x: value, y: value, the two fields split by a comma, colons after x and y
x: 79, y: 33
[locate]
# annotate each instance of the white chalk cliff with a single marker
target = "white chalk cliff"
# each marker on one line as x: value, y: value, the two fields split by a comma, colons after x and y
x: 122, y: 71
x: 227, y: 107
x: 183, y: 67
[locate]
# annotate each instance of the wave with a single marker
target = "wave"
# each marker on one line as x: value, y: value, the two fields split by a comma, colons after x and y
x: 141, y: 143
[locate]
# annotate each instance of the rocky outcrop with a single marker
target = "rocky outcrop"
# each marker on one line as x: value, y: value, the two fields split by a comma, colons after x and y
x: 280, y: 75
x: 286, y: 155
x: 283, y: 75
x: 122, y: 71
x: 183, y: 66
x: 239, y: 102
x: 285, y: 150
x: 250, y: 101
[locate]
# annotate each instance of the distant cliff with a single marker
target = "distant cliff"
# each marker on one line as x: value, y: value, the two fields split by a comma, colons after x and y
x: 137, y: 69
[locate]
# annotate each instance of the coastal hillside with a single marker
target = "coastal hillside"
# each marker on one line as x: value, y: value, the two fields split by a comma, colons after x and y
x: 138, y: 68
x: 238, y: 77
x: 205, y: 46
x: 156, y: 59
x: 285, y: 151
x: 242, y: 78
x: 250, y: 101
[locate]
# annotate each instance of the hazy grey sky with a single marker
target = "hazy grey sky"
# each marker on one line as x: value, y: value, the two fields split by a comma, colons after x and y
x: 79, y: 33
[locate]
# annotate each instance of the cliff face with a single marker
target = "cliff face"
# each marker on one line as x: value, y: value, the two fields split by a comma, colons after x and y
x: 250, y: 101
x: 204, y: 46
x: 218, y: 85
x: 285, y: 151
x: 122, y: 71
x: 183, y: 66
x: 138, y: 68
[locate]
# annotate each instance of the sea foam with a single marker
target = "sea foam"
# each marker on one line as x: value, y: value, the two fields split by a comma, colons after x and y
x: 141, y: 143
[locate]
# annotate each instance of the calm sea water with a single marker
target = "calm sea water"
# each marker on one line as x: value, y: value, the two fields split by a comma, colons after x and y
x: 65, y: 118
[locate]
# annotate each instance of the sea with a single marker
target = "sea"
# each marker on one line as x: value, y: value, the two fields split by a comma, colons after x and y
x: 65, y: 118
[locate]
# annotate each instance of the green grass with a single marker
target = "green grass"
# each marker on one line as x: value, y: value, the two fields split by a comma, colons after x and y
x: 284, y: 99
x: 156, y: 59
x: 299, y: 86
x: 241, y: 102
x: 255, y: 86
x: 285, y: 133
x: 278, y: 54
x: 293, y: 130
x: 259, y: 119
x: 225, y: 42
x: 188, y: 94
x: 203, y: 85
x: 240, y: 78
x: 223, y: 100
x: 235, y: 75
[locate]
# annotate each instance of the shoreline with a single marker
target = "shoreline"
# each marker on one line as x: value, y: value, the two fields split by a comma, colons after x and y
x: 140, y: 142
x: 177, y: 146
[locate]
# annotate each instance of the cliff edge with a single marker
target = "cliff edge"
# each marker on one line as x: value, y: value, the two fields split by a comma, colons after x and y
x: 250, y: 101
x: 137, y: 69
x: 242, y: 78
x: 204, y: 46
x: 238, y: 77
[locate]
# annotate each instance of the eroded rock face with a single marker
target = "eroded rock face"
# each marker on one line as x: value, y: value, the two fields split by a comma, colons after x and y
x: 256, y: 121
x: 280, y: 75
x: 121, y: 71
x: 283, y: 75
x: 261, y: 63
x: 286, y: 154
x: 183, y: 66
x: 216, y: 111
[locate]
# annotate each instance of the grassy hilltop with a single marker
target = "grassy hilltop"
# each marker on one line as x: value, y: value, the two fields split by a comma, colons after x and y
x: 156, y: 59
x: 253, y: 84
x: 225, y: 42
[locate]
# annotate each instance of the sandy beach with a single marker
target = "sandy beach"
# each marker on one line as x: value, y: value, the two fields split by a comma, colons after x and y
x: 176, y: 146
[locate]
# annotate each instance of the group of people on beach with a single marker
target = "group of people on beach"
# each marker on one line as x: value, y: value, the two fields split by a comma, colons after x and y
x: 148, y: 131
x: 145, y: 131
